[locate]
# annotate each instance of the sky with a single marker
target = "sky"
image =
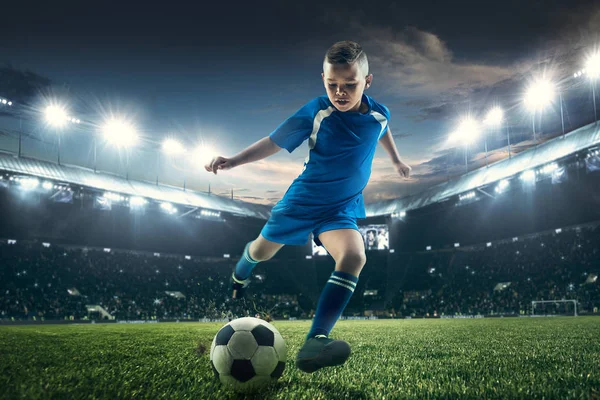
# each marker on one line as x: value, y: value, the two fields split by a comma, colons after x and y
x: 226, y: 75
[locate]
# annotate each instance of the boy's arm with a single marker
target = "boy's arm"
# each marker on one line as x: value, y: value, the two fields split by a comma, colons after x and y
x: 257, y: 151
x: 264, y: 148
x: 387, y: 141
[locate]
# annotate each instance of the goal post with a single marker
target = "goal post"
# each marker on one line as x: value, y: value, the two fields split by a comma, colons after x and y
x: 554, y: 307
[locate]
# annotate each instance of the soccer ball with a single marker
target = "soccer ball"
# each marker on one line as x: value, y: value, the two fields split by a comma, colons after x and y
x: 248, y: 354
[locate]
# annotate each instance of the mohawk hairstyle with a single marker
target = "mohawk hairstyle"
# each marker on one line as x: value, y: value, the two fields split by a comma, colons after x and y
x: 347, y: 52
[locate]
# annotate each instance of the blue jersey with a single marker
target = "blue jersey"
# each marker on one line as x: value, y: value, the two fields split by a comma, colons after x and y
x: 341, y: 149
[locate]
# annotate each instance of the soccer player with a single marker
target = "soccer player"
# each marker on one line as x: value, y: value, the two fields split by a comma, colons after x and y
x: 343, y: 129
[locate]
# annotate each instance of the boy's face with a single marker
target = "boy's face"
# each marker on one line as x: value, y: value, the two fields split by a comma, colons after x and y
x: 345, y: 84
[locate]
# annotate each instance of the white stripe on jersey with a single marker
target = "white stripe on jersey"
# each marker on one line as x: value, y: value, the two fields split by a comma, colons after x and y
x: 382, y: 120
x: 312, y: 140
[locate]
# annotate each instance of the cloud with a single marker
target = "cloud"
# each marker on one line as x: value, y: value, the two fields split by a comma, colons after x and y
x: 420, y: 70
x: 418, y: 63
x: 266, y: 174
x: 21, y: 85
x: 401, y: 135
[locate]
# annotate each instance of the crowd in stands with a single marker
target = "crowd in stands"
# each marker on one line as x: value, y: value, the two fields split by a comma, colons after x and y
x: 58, y: 283
x: 505, y: 278
x: 48, y: 283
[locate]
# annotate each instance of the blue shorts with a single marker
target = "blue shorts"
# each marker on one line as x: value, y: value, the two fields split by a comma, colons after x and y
x: 287, y: 226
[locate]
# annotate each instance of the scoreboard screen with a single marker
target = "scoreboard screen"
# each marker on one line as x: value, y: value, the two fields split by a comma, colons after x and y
x: 375, y: 237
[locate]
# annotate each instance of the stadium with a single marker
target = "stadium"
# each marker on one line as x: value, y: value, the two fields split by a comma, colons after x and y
x: 481, y: 286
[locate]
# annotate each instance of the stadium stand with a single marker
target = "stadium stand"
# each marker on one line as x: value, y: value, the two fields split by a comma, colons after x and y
x: 57, y: 283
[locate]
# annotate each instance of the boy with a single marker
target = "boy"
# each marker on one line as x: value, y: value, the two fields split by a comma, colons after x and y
x: 343, y: 129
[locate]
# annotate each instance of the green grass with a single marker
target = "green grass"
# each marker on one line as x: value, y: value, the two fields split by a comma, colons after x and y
x: 393, y: 359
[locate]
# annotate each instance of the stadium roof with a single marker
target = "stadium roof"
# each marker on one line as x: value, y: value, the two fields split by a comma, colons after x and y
x: 81, y: 176
x: 549, y: 151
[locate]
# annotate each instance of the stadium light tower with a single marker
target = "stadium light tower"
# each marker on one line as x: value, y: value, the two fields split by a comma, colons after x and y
x: 467, y: 131
x: 56, y: 116
x: 538, y: 96
x: 494, y: 119
x: 5, y: 102
x: 120, y: 133
x: 592, y: 69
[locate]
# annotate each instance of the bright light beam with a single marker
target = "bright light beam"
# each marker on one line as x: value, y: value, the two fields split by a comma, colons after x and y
x: 120, y: 133
x: 539, y: 95
x: 55, y: 115
x: 467, y: 131
x: 592, y: 66
x: 172, y: 146
x: 494, y: 116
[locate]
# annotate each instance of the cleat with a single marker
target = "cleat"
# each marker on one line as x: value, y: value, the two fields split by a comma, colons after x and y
x: 238, y: 286
x: 320, y: 351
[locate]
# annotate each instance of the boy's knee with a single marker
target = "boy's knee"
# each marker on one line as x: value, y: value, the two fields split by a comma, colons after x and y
x: 354, y: 259
x: 261, y: 257
x: 259, y: 253
x: 352, y: 263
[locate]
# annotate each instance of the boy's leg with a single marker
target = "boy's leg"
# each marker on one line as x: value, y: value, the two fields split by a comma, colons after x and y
x: 255, y: 251
x: 346, y: 246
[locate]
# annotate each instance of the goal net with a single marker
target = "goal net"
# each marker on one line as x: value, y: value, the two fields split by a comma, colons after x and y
x: 554, y: 307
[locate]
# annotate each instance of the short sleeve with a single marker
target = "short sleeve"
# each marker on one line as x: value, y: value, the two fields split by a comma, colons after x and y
x: 386, y: 114
x: 297, y: 128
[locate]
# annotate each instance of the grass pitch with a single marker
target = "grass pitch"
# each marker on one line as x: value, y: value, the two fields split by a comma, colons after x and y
x: 556, y: 358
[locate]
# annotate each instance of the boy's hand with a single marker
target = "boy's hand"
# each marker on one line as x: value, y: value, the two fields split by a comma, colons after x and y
x: 218, y: 163
x: 403, y: 169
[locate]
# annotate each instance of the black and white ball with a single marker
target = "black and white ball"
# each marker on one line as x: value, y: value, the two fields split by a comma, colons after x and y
x: 247, y: 354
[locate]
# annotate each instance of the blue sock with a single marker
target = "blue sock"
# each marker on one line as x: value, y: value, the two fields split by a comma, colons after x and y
x: 333, y: 301
x: 244, y: 267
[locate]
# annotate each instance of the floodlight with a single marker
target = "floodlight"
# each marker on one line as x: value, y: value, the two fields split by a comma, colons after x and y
x: 137, y: 201
x: 111, y: 196
x: 592, y: 66
x: 467, y: 131
x: 119, y: 132
x: 168, y: 207
x: 172, y: 146
x: 503, y: 184
x: 494, y: 116
x: 29, y: 183
x: 547, y: 169
x: 402, y: 214
x: 469, y: 195
x: 47, y: 185
x: 528, y: 176
x: 56, y: 115
x: 4, y: 101
x: 539, y: 95
x: 10, y: 103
